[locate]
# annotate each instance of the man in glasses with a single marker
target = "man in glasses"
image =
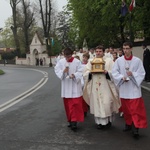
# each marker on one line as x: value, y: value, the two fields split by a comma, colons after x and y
x: 128, y: 73
x: 69, y: 70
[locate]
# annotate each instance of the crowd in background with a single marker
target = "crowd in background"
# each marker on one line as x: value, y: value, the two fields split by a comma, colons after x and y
x: 111, y: 52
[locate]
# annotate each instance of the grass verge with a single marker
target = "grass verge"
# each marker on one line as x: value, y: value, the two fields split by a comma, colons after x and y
x: 1, y: 72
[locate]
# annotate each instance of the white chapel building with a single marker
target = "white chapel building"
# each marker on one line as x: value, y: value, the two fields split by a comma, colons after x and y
x: 38, y: 55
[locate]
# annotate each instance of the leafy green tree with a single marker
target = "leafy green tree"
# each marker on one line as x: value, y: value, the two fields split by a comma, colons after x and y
x: 101, y: 22
x: 56, y: 47
x: 63, y: 28
x: 8, y: 55
x: 7, y: 39
x: 141, y: 21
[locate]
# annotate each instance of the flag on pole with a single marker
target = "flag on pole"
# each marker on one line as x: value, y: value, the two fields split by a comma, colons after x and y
x: 132, y: 5
x: 124, y: 9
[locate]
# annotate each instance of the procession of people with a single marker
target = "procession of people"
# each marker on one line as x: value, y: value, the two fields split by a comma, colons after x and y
x: 103, y: 82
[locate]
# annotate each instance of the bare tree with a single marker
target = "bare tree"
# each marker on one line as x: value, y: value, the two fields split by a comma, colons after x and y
x: 27, y: 22
x: 45, y: 11
x: 13, y: 4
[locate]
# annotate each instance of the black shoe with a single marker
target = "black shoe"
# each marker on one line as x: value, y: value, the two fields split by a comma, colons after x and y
x: 99, y: 126
x: 136, y: 135
x: 135, y: 132
x: 127, y: 128
x: 85, y: 114
x: 74, y: 126
x: 69, y: 125
x: 108, y: 125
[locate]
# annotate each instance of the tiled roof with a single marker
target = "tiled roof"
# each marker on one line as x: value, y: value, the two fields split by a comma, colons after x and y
x: 2, y: 50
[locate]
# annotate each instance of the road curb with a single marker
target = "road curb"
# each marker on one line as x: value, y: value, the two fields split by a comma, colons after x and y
x: 146, y: 88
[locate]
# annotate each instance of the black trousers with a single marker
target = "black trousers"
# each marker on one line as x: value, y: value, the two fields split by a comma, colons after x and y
x: 147, y: 70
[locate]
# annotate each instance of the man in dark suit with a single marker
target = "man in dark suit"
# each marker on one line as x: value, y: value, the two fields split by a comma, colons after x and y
x: 146, y: 62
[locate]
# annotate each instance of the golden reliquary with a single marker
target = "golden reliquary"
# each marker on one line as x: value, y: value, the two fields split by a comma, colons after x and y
x: 98, y: 65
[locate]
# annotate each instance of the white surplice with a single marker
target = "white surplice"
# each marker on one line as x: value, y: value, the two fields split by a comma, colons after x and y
x: 109, y: 55
x: 132, y: 88
x: 92, y: 55
x: 100, y: 93
x: 71, y: 88
x: 82, y: 80
x: 80, y: 56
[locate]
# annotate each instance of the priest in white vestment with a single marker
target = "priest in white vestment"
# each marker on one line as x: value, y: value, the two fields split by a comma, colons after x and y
x: 92, y: 53
x: 69, y: 71
x: 100, y: 92
x: 128, y: 74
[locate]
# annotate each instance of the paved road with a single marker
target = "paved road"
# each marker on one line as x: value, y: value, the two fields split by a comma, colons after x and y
x: 39, y: 123
x: 16, y: 81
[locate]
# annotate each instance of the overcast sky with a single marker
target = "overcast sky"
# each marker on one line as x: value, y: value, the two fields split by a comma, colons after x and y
x: 5, y: 10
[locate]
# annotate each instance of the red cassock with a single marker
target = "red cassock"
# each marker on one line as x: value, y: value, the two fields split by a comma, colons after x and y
x: 84, y: 105
x: 74, y: 109
x: 134, y: 112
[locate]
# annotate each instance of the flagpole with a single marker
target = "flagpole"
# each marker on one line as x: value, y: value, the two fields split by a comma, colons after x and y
x: 130, y: 27
x: 132, y: 5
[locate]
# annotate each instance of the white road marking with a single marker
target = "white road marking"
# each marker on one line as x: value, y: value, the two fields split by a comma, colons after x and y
x: 22, y: 96
x: 146, y: 88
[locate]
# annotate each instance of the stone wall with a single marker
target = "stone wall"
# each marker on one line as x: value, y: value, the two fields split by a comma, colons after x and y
x: 23, y: 61
x: 138, y: 51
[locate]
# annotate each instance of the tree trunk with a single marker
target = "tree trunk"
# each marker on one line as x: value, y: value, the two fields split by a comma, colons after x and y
x: 13, y: 4
x: 46, y: 22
